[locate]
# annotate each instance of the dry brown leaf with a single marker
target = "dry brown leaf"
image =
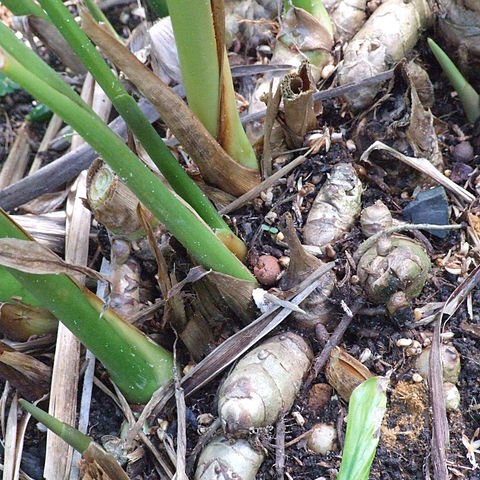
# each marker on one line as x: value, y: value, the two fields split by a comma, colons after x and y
x: 31, y: 257
x: 27, y: 374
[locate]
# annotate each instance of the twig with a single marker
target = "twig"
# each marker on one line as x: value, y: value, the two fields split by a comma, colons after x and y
x: 181, y: 419
x: 440, y: 434
x: 333, y: 341
x: 254, y: 192
x: 422, y: 165
x: 273, y: 104
x: 280, y: 448
x: 370, y: 242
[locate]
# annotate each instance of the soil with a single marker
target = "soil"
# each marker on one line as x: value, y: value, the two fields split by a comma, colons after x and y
x: 404, y: 450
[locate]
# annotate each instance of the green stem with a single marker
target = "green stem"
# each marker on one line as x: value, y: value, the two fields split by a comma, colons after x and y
x: 209, y: 90
x: 467, y: 94
x: 131, y: 113
x: 158, y: 7
x: 314, y: 7
x: 99, y: 16
x: 178, y: 218
x: 366, y: 409
x: 76, y: 439
x: 136, y: 365
x: 30, y: 60
x: 25, y: 7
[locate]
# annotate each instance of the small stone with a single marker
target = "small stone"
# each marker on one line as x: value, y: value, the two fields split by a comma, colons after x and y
x: 404, y: 342
x: 351, y: 147
x: 267, y: 270
x: 430, y: 206
x: 460, y: 172
x: 451, y: 396
x: 463, y: 152
x: 322, y: 438
x: 205, y: 419
x: 300, y: 421
x: 417, y: 378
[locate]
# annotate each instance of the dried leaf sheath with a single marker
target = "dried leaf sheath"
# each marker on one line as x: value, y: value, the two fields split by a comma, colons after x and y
x: 216, y: 166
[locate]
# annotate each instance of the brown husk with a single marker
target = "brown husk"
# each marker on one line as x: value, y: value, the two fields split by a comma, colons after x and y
x: 302, y: 264
x: 345, y: 373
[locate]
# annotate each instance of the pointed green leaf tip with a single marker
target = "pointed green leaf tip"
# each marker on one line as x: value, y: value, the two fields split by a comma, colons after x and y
x: 467, y: 94
x: 365, y: 414
x: 76, y: 439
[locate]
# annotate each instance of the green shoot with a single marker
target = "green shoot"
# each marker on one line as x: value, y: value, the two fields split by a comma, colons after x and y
x: 206, y: 74
x: 365, y: 413
x: 76, y: 439
x: 467, y: 94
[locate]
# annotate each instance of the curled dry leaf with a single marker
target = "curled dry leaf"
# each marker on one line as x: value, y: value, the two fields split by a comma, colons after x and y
x: 97, y: 464
x: 28, y: 375
x: 419, y: 78
x: 297, y: 92
x: 302, y: 36
x: 316, y: 308
x: 264, y: 383
x: 228, y: 459
x: 386, y: 37
x: 345, y: 373
x: 421, y: 132
x: 335, y: 208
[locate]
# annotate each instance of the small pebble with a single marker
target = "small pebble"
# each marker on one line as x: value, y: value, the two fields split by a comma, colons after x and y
x: 351, y: 147
x: 404, y: 342
x: 300, y: 421
x: 460, y: 172
x: 267, y: 270
x: 417, y: 378
x: 463, y: 152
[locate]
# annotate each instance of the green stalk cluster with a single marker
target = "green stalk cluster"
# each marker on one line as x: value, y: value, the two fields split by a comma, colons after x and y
x: 131, y: 113
x: 467, y: 94
x: 206, y: 75
x: 178, y: 218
